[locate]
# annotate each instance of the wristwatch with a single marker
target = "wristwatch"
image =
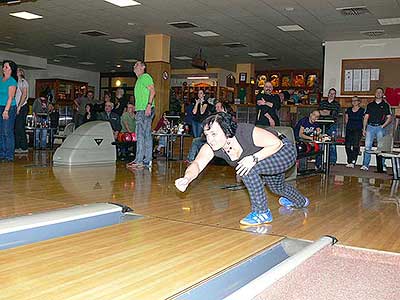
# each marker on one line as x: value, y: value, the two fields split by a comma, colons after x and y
x: 255, y: 158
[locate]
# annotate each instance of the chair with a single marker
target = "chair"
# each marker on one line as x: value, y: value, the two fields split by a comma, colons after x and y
x: 288, y: 132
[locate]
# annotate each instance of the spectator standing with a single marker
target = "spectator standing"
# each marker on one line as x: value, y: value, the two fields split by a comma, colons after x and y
x: 40, y: 114
x: 21, y: 98
x: 329, y: 110
x: 377, y: 117
x: 144, y: 102
x: 201, y: 110
x: 8, y: 110
x: 354, y: 124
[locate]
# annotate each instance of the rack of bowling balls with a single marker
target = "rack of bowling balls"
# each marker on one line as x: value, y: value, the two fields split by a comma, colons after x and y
x: 306, y: 149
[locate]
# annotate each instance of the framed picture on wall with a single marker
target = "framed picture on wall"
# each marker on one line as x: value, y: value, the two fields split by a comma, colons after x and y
x: 275, y: 80
x: 311, y: 81
x: 286, y: 81
x: 261, y: 80
x: 242, y: 77
x: 298, y: 80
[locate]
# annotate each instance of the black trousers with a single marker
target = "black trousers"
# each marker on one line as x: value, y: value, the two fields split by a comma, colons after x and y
x: 20, y: 133
x: 352, y: 144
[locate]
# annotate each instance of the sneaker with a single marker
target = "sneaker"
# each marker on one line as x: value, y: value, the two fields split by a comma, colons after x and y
x: 364, y: 168
x: 288, y: 203
x: 255, y: 218
x: 350, y: 166
x: 24, y: 151
x: 18, y: 150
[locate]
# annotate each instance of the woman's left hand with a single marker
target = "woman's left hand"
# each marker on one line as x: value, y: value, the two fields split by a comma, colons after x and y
x: 245, y: 165
x: 5, y: 115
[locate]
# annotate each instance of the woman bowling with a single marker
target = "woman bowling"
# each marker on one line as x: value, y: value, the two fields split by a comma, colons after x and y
x: 260, y: 157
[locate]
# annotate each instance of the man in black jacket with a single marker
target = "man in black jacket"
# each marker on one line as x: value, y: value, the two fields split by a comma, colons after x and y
x: 112, y: 117
x: 268, y: 105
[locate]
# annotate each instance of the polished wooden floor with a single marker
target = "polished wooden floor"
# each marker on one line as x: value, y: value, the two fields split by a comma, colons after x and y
x: 184, y: 237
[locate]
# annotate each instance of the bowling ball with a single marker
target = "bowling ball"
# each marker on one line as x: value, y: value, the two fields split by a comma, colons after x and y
x: 133, y: 135
x: 301, y: 148
x: 127, y: 137
x: 120, y: 137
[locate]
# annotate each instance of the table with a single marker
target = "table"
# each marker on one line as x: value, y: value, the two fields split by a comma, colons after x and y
x: 326, y: 155
x: 395, y: 156
x: 169, y: 147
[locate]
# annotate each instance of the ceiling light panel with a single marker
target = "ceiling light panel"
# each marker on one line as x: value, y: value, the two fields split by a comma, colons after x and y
x: 258, y: 54
x: 130, y: 60
x: 26, y: 15
x: 206, y: 33
x: 86, y: 63
x: 291, y: 28
x: 389, y: 21
x: 65, y: 46
x: 183, y: 57
x: 120, y: 41
x: 123, y: 3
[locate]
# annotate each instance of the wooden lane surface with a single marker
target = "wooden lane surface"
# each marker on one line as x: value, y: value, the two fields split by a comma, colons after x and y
x: 359, y: 212
x: 144, y: 259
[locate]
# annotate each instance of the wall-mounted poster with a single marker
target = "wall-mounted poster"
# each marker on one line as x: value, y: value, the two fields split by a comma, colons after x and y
x: 275, y: 80
x: 311, y: 81
x: 298, y: 80
x: 261, y: 80
x: 286, y: 81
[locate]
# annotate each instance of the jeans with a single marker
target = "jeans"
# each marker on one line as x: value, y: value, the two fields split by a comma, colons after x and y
x: 372, y: 132
x: 144, y: 144
x: 7, y: 140
x: 20, y: 133
x: 40, y: 138
x: 196, y: 129
x: 197, y: 143
x: 332, y: 131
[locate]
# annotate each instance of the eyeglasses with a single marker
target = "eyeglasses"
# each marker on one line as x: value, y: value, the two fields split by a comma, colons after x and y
x: 108, y: 105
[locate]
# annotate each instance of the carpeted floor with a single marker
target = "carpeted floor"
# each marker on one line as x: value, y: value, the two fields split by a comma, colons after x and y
x: 356, y: 172
x: 340, y: 273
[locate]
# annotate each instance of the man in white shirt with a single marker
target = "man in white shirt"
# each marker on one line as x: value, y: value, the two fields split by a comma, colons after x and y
x: 21, y: 97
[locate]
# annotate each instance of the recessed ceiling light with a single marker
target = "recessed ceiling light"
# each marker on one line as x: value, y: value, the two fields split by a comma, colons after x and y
x: 66, y: 46
x: 258, y: 54
x: 291, y: 28
x: 25, y: 15
x: 56, y: 60
x: 120, y: 41
x: 86, y: 63
x: 131, y: 24
x: 289, y: 9
x: 112, y: 71
x: 206, y: 33
x: 18, y: 50
x: 123, y: 3
x: 130, y: 60
x: 118, y: 66
x: 183, y: 57
x: 389, y: 21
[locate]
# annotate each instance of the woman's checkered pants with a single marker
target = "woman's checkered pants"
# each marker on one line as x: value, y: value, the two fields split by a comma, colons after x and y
x: 271, y: 171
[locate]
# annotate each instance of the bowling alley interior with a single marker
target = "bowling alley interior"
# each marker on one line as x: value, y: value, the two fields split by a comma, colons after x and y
x: 198, y: 149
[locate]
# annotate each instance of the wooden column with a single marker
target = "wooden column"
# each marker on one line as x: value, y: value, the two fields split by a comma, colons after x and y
x: 157, y: 58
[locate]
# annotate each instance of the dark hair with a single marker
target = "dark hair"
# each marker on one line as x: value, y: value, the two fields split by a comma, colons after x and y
x: 90, y: 105
x: 332, y: 89
x: 286, y: 95
x: 224, y: 120
x: 379, y: 88
x: 13, y: 67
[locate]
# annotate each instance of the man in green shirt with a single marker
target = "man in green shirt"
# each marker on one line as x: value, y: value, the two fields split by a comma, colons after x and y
x: 144, y: 95
x: 128, y: 119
